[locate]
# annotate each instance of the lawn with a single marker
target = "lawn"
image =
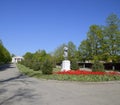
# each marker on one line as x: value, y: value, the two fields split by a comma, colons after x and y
x: 79, y: 75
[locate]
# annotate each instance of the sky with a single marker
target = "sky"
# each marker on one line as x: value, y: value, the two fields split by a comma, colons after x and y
x: 30, y: 25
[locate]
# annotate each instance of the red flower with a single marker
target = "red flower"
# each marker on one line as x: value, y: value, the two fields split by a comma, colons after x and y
x: 83, y: 72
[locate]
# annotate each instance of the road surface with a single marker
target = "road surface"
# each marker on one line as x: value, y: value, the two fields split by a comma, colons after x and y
x: 17, y: 89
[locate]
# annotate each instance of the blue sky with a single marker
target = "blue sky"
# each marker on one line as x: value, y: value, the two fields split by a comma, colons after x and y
x: 30, y: 25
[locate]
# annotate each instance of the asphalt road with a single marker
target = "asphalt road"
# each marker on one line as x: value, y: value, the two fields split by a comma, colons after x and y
x: 17, y: 89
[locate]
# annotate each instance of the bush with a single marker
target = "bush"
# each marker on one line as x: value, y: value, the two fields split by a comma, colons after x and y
x: 97, y: 66
x: 36, y: 66
x: 74, y: 65
x: 31, y: 64
x: 47, y: 67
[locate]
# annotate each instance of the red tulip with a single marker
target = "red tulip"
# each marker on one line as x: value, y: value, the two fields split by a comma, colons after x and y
x: 83, y: 72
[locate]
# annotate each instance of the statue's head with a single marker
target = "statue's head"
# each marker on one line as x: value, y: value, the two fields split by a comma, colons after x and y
x: 65, y: 48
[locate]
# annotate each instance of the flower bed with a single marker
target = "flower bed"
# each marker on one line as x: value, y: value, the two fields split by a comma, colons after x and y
x: 79, y: 75
x: 83, y: 72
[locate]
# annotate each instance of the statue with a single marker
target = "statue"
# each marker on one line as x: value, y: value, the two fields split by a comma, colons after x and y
x: 65, y: 53
x: 66, y: 62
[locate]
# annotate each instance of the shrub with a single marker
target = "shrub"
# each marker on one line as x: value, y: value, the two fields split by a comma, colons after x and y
x: 27, y: 63
x: 97, y: 66
x: 36, y: 66
x: 74, y: 65
x: 47, y: 67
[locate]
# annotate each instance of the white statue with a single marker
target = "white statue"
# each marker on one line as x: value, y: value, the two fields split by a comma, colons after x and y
x: 66, y: 62
x: 65, y: 53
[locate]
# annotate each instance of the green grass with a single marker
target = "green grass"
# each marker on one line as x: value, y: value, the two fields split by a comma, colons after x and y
x: 84, y: 78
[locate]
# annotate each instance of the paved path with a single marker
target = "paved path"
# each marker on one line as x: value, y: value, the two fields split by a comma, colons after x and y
x: 16, y: 89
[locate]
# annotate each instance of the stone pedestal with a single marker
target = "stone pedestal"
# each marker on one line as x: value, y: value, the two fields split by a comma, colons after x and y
x: 65, y: 65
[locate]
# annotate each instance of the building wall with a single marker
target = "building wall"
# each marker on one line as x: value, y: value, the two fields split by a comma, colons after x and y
x: 16, y: 59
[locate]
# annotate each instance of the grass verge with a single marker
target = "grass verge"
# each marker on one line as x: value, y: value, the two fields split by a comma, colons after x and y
x: 84, y: 78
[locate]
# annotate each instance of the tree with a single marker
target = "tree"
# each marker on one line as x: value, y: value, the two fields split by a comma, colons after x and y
x: 13, y: 55
x: 112, y: 34
x: 47, y: 67
x: 27, y: 59
x: 103, y: 42
x: 84, y: 52
x: 35, y: 60
x: 90, y: 49
x: 39, y: 55
x: 4, y: 54
x: 71, y: 50
x: 95, y: 36
x: 28, y: 56
x: 58, y: 54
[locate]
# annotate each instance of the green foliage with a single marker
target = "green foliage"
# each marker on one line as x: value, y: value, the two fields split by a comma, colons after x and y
x: 27, y: 71
x: 86, y: 78
x: 5, y: 56
x: 102, y: 41
x: 102, y: 44
x: 35, y: 60
x: 71, y: 50
x: 59, y: 52
x: 36, y: 66
x: 97, y: 66
x: 74, y: 65
x: 112, y: 34
x: 47, y: 67
x: 84, y: 51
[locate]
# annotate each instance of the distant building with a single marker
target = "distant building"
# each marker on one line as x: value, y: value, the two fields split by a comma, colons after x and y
x: 16, y: 59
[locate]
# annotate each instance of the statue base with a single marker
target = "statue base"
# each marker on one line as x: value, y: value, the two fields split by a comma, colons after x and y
x: 65, y: 65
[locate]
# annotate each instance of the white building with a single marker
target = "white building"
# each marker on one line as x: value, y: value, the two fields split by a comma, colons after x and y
x: 16, y: 59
